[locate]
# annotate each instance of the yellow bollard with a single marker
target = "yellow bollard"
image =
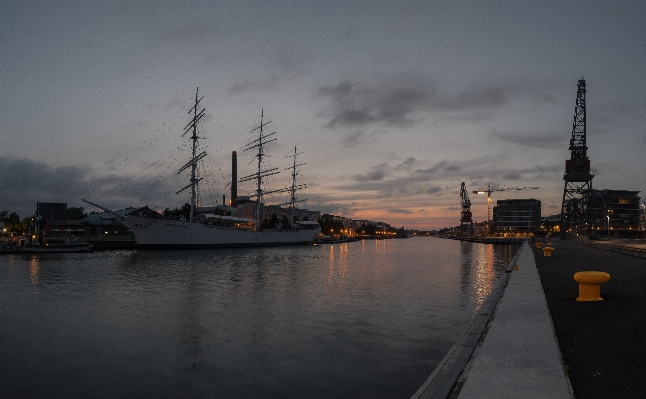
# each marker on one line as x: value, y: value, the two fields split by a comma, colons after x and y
x: 539, y: 245
x: 590, y: 285
x: 516, y: 266
x: 547, y: 251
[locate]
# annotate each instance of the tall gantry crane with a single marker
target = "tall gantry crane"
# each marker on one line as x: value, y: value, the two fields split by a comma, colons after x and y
x: 578, y: 178
x: 466, y: 222
x: 495, y: 188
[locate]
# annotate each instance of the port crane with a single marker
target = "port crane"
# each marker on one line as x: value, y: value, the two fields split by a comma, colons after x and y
x: 578, y: 178
x: 491, y: 187
x: 466, y: 222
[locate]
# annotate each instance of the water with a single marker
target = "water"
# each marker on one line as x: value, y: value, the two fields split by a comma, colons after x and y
x: 365, y: 319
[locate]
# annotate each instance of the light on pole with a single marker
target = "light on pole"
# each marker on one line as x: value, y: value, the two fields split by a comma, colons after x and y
x: 644, y: 223
x: 608, y: 227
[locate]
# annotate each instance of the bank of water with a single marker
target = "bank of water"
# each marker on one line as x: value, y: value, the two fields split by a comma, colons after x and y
x: 362, y: 319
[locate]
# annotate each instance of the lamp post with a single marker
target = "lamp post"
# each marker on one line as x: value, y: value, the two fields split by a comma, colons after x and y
x: 644, y: 223
x: 608, y: 227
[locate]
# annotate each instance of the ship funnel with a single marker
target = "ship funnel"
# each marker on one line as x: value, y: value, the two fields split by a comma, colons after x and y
x: 234, y: 178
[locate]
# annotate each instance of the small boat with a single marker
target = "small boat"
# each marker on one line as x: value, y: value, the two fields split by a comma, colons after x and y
x: 49, y: 245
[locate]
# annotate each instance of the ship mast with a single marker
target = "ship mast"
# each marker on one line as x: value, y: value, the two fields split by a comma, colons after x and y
x: 294, y: 186
x: 192, y: 163
x: 259, y: 143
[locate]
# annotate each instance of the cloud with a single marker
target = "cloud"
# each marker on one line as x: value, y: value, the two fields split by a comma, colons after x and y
x: 254, y: 84
x: 190, y: 31
x: 401, y: 211
x: 442, y: 166
x: 379, y: 173
x: 353, y: 139
x: 397, y: 102
x: 511, y: 176
x: 407, y: 164
x: 25, y: 182
x: 545, y: 141
x: 433, y: 190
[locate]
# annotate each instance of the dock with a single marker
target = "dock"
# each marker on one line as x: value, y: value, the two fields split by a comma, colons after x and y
x: 538, y: 342
x: 509, y: 350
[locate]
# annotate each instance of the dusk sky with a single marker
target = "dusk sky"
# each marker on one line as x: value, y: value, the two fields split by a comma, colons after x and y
x: 393, y: 104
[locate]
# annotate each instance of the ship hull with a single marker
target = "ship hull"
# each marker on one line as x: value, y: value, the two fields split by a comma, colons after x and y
x: 174, y: 234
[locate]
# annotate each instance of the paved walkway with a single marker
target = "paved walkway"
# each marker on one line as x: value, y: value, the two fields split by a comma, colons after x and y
x: 628, y: 247
x: 519, y: 356
x: 603, y: 343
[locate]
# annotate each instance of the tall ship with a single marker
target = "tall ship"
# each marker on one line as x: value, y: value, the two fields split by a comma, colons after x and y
x: 210, y: 230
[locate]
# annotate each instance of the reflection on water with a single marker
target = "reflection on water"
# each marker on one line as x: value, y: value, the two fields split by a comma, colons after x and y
x: 484, y: 273
x: 33, y: 273
x: 362, y: 319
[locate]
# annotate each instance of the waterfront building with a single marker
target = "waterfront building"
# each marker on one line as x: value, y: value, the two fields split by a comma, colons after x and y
x: 480, y: 229
x: 517, y: 217
x: 613, y: 212
x: 550, y: 225
x: 51, y: 210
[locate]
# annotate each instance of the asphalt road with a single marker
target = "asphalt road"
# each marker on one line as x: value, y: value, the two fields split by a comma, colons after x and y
x: 603, y: 344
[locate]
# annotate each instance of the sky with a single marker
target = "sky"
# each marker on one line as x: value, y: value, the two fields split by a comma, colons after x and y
x: 393, y: 104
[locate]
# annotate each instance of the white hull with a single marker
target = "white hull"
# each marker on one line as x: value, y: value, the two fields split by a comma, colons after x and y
x: 173, y: 234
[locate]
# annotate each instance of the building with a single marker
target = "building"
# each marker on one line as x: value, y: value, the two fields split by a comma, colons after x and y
x: 612, y: 212
x: 480, y: 229
x: 51, y: 210
x: 517, y: 217
x: 550, y: 225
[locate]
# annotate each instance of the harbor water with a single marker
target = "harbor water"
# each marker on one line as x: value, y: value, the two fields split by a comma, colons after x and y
x: 367, y: 319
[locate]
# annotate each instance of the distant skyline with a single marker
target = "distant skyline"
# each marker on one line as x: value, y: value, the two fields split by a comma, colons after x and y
x: 393, y: 104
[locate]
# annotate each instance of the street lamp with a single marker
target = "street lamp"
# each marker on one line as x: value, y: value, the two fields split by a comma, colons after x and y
x: 608, y: 227
x: 644, y: 223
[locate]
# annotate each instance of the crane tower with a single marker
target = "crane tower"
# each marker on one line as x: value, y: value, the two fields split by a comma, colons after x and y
x: 466, y: 222
x: 577, y: 175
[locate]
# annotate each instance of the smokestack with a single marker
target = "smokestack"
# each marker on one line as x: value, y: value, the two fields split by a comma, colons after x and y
x: 234, y: 178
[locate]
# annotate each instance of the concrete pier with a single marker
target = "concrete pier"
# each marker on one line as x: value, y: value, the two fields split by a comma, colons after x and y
x: 509, y: 350
x: 519, y: 355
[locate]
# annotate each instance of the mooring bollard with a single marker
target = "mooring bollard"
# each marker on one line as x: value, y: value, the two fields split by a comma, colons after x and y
x: 547, y: 251
x: 590, y: 285
x: 539, y: 245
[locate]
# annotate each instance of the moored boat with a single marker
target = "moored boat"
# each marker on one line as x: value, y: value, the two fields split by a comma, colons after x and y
x: 153, y: 231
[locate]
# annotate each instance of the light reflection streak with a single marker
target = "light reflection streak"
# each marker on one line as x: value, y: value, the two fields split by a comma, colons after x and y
x: 380, y: 247
x: 33, y: 273
x: 331, y: 265
x: 484, y: 273
x: 338, y: 264
x: 343, y: 260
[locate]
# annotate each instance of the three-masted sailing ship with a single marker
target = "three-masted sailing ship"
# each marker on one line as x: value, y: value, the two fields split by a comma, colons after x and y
x: 204, y: 230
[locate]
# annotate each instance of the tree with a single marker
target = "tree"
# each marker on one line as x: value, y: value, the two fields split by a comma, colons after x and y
x: 270, y: 223
x: 330, y: 227
x: 176, y: 214
x: 285, y: 223
x: 368, y: 229
x: 74, y: 213
x: 12, y: 222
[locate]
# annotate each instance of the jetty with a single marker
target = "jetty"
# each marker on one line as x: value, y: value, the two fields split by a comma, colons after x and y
x: 532, y: 339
